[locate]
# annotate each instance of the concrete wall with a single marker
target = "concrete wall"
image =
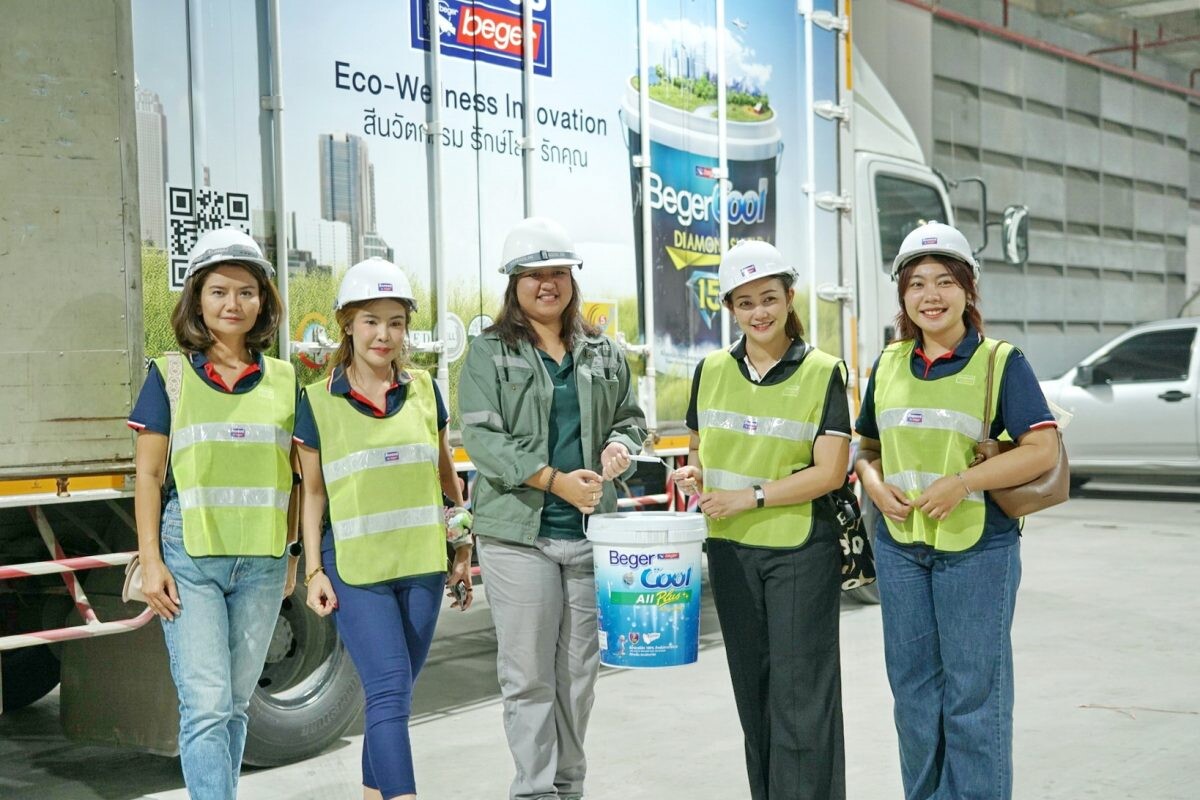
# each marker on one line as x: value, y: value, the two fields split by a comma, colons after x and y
x: 1108, y: 166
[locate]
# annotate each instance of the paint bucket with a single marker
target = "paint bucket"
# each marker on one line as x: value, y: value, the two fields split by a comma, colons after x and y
x: 684, y: 195
x: 648, y: 570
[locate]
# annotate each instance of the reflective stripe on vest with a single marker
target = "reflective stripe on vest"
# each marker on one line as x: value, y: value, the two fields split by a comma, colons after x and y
x: 230, y: 460
x: 752, y: 434
x: 381, y: 477
x: 928, y: 429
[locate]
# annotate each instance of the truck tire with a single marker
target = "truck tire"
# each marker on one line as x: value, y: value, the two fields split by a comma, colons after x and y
x: 869, y: 594
x: 309, y: 692
x: 27, y: 675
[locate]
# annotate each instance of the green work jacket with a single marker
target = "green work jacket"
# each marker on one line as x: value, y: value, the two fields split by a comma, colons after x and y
x: 504, y: 396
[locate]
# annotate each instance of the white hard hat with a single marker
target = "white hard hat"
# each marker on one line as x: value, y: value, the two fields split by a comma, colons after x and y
x: 374, y: 279
x: 536, y: 243
x: 937, y: 239
x: 749, y: 260
x: 226, y: 244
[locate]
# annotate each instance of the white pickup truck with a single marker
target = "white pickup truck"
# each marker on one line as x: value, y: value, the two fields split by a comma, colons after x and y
x: 1135, y: 405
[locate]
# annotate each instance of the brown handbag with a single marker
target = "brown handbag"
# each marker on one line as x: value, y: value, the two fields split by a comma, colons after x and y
x: 1048, y: 489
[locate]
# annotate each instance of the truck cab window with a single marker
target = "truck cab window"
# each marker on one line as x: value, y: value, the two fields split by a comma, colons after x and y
x: 1153, y: 356
x: 903, y: 205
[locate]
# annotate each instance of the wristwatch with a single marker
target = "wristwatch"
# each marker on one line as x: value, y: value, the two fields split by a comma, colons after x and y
x: 296, y: 549
x: 760, y: 497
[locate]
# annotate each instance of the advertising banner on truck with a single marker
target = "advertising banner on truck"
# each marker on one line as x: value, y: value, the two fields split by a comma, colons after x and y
x: 357, y: 94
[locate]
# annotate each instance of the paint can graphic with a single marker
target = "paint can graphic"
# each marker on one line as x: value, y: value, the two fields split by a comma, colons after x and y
x: 648, y: 574
x: 684, y: 195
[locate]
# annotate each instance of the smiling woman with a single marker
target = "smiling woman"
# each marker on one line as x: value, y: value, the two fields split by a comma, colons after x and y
x: 944, y: 552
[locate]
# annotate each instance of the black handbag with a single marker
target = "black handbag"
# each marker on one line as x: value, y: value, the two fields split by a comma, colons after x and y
x: 858, y: 560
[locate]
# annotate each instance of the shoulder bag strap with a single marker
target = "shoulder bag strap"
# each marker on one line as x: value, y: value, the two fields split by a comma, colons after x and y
x: 173, y: 381
x: 987, y: 397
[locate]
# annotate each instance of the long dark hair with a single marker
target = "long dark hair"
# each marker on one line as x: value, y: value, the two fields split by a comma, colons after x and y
x: 513, y: 327
x: 194, y: 336
x: 962, y: 274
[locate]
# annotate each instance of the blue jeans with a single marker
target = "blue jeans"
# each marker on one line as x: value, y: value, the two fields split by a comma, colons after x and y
x: 947, y: 623
x: 387, y: 629
x: 217, y: 644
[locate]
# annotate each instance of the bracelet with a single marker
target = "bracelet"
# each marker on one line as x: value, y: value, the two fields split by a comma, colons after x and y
x: 312, y: 575
x: 966, y: 485
x: 550, y: 483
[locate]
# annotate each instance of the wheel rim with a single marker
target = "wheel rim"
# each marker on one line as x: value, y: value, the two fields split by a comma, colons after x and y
x: 303, y: 655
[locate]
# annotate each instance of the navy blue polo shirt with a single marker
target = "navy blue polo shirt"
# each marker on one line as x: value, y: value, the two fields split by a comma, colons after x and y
x: 152, y: 411
x: 1022, y: 407
x: 338, y: 384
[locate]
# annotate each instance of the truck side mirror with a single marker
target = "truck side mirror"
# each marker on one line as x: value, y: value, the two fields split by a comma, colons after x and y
x: 1084, y: 376
x: 1014, y: 235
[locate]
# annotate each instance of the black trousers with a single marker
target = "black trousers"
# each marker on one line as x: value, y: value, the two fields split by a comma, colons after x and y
x: 779, y: 616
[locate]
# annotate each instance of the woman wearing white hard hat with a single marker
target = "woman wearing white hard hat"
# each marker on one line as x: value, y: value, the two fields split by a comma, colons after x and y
x: 549, y: 420
x: 213, y: 487
x: 947, y: 558
x: 770, y: 434
x: 375, y: 463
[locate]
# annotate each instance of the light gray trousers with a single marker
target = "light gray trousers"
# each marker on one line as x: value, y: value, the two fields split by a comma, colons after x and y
x: 543, y: 602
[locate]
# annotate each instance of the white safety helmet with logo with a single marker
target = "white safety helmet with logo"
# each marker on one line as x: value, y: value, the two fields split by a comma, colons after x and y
x: 374, y: 279
x: 537, y: 243
x: 934, y: 239
x: 749, y: 260
x: 226, y: 244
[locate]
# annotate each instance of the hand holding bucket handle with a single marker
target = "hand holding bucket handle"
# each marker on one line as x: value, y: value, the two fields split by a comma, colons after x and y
x: 689, y: 479
x: 581, y: 488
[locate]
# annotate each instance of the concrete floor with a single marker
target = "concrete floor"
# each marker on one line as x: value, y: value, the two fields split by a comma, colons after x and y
x: 1107, y: 643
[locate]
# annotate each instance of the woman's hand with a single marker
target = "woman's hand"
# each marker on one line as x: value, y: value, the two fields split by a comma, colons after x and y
x: 321, y: 598
x: 614, y: 460
x: 690, y: 479
x: 289, y: 584
x: 725, y: 504
x: 889, y: 499
x: 581, y: 488
x: 460, y: 572
x: 942, y: 497
x: 158, y: 584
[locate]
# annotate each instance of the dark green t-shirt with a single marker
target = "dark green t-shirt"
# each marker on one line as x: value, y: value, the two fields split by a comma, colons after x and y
x: 560, y: 519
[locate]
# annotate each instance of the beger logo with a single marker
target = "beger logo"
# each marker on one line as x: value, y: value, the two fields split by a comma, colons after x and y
x: 617, y: 558
x: 486, y: 31
x: 745, y: 207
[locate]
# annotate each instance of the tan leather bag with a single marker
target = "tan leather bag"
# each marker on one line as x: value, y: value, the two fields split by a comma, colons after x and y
x: 1048, y: 489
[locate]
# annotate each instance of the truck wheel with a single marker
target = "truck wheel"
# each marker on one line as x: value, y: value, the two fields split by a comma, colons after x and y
x: 27, y: 675
x: 309, y: 692
x: 869, y: 594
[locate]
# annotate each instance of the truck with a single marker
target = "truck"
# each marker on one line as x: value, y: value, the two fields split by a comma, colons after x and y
x: 1134, y: 406
x: 420, y: 131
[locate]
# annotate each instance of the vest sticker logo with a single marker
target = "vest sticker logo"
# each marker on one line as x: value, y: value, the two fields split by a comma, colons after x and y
x: 966, y: 380
x: 385, y: 287
x: 791, y: 391
x: 914, y: 417
x: 750, y: 425
x: 391, y: 455
x: 237, y: 432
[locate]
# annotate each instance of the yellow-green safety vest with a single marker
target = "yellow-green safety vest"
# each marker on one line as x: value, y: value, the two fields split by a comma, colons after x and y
x: 928, y: 429
x: 381, y: 477
x: 752, y: 434
x: 230, y: 457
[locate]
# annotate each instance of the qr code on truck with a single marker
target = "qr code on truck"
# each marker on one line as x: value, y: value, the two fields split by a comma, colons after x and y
x: 192, y: 212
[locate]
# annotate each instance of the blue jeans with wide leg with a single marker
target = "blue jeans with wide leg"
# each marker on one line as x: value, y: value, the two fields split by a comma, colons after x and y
x: 947, y: 623
x: 217, y: 644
